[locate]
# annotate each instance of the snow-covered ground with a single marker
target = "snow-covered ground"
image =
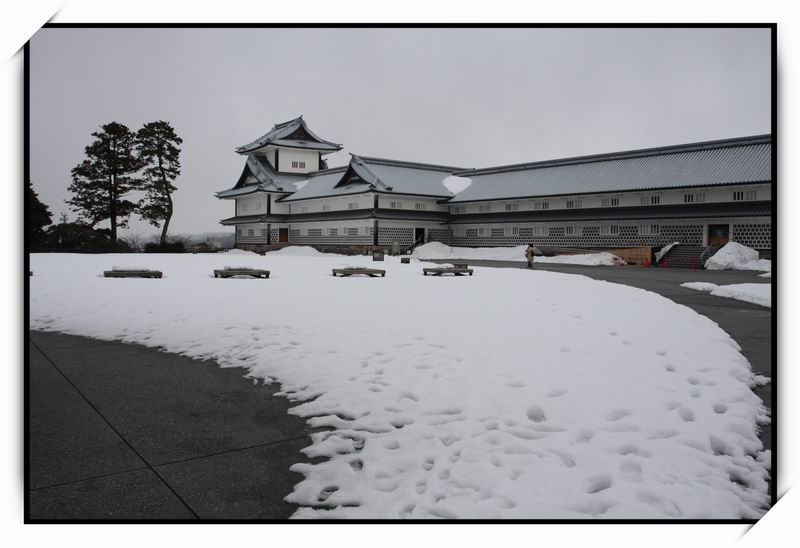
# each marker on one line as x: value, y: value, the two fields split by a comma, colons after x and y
x: 735, y: 256
x: 507, y: 394
x: 436, y: 250
x: 756, y: 293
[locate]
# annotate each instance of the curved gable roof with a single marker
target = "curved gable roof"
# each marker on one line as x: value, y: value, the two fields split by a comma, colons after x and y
x: 282, y: 135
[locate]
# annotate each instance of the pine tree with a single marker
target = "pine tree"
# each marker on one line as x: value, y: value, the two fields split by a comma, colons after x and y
x: 102, y: 181
x: 39, y: 217
x: 159, y: 150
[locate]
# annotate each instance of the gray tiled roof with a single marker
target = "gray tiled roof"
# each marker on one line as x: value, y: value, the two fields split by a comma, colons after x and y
x: 321, y: 184
x: 267, y: 179
x: 744, y: 160
x: 277, y: 136
x: 245, y: 219
x: 378, y: 175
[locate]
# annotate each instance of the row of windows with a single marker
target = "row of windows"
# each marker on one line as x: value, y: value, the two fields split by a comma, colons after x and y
x: 696, y: 198
x: 740, y: 195
x: 690, y: 198
x: 252, y: 232
x: 569, y: 230
x: 419, y: 206
x: 298, y: 165
x: 325, y: 207
x: 348, y: 231
x: 651, y: 199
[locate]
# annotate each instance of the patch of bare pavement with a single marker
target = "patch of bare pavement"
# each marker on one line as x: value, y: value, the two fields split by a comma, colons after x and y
x: 124, y: 432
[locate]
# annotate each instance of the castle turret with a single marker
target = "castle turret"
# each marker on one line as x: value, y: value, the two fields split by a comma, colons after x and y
x: 291, y: 147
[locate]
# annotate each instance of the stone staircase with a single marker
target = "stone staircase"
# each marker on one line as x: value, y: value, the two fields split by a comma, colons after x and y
x: 687, y: 256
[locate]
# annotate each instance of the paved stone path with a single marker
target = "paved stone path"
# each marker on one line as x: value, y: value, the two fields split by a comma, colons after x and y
x: 120, y: 431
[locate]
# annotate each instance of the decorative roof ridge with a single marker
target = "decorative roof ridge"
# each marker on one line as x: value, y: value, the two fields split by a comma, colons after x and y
x: 277, y: 133
x: 361, y: 169
x: 293, y: 120
x: 624, y: 155
x: 404, y: 163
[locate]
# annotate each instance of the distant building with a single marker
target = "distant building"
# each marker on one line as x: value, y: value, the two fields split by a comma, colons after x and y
x: 699, y: 194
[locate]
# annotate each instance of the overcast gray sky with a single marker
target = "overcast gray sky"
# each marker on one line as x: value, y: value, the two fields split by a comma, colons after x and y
x: 464, y: 97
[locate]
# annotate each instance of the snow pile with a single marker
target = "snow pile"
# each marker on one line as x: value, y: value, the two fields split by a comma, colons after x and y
x: 298, y: 251
x: 300, y: 184
x: 765, y: 275
x: 240, y: 252
x: 586, y: 259
x: 118, y: 268
x: 705, y: 287
x: 664, y: 250
x: 734, y: 256
x: 576, y: 408
x: 456, y: 184
x: 440, y: 251
x: 760, y: 294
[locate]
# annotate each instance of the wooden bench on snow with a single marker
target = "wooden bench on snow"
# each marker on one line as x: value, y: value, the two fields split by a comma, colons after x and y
x: 229, y: 272
x: 349, y: 271
x: 460, y: 265
x: 132, y: 273
x: 455, y: 271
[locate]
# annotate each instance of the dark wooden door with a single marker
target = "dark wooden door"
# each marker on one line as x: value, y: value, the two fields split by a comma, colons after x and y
x: 718, y: 235
x: 283, y: 235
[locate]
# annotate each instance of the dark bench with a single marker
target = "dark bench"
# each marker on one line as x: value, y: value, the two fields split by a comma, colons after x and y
x: 132, y: 273
x: 371, y: 272
x: 454, y: 271
x: 405, y: 260
x: 252, y: 272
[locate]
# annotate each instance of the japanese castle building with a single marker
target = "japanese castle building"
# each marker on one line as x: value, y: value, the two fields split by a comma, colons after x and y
x: 698, y: 194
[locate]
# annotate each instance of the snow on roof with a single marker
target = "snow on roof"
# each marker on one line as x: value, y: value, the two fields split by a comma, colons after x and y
x: 456, y: 184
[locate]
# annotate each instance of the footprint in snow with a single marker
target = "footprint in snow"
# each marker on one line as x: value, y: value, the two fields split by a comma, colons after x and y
x: 583, y: 436
x: 617, y: 414
x: 598, y: 483
x: 686, y: 414
x: 326, y: 493
x: 720, y: 408
x: 556, y: 393
x: 535, y: 413
x: 630, y: 471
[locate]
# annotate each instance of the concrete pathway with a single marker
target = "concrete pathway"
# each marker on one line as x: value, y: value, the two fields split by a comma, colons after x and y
x: 750, y: 325
x: 120, y: 431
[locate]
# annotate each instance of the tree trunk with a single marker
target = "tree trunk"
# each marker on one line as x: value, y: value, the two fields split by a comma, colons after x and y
x: 168, y: 216
x: 113, y: 212
x: 168, y: 196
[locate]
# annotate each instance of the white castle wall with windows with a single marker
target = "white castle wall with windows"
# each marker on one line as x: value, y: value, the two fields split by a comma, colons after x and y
x: 699, y: 194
